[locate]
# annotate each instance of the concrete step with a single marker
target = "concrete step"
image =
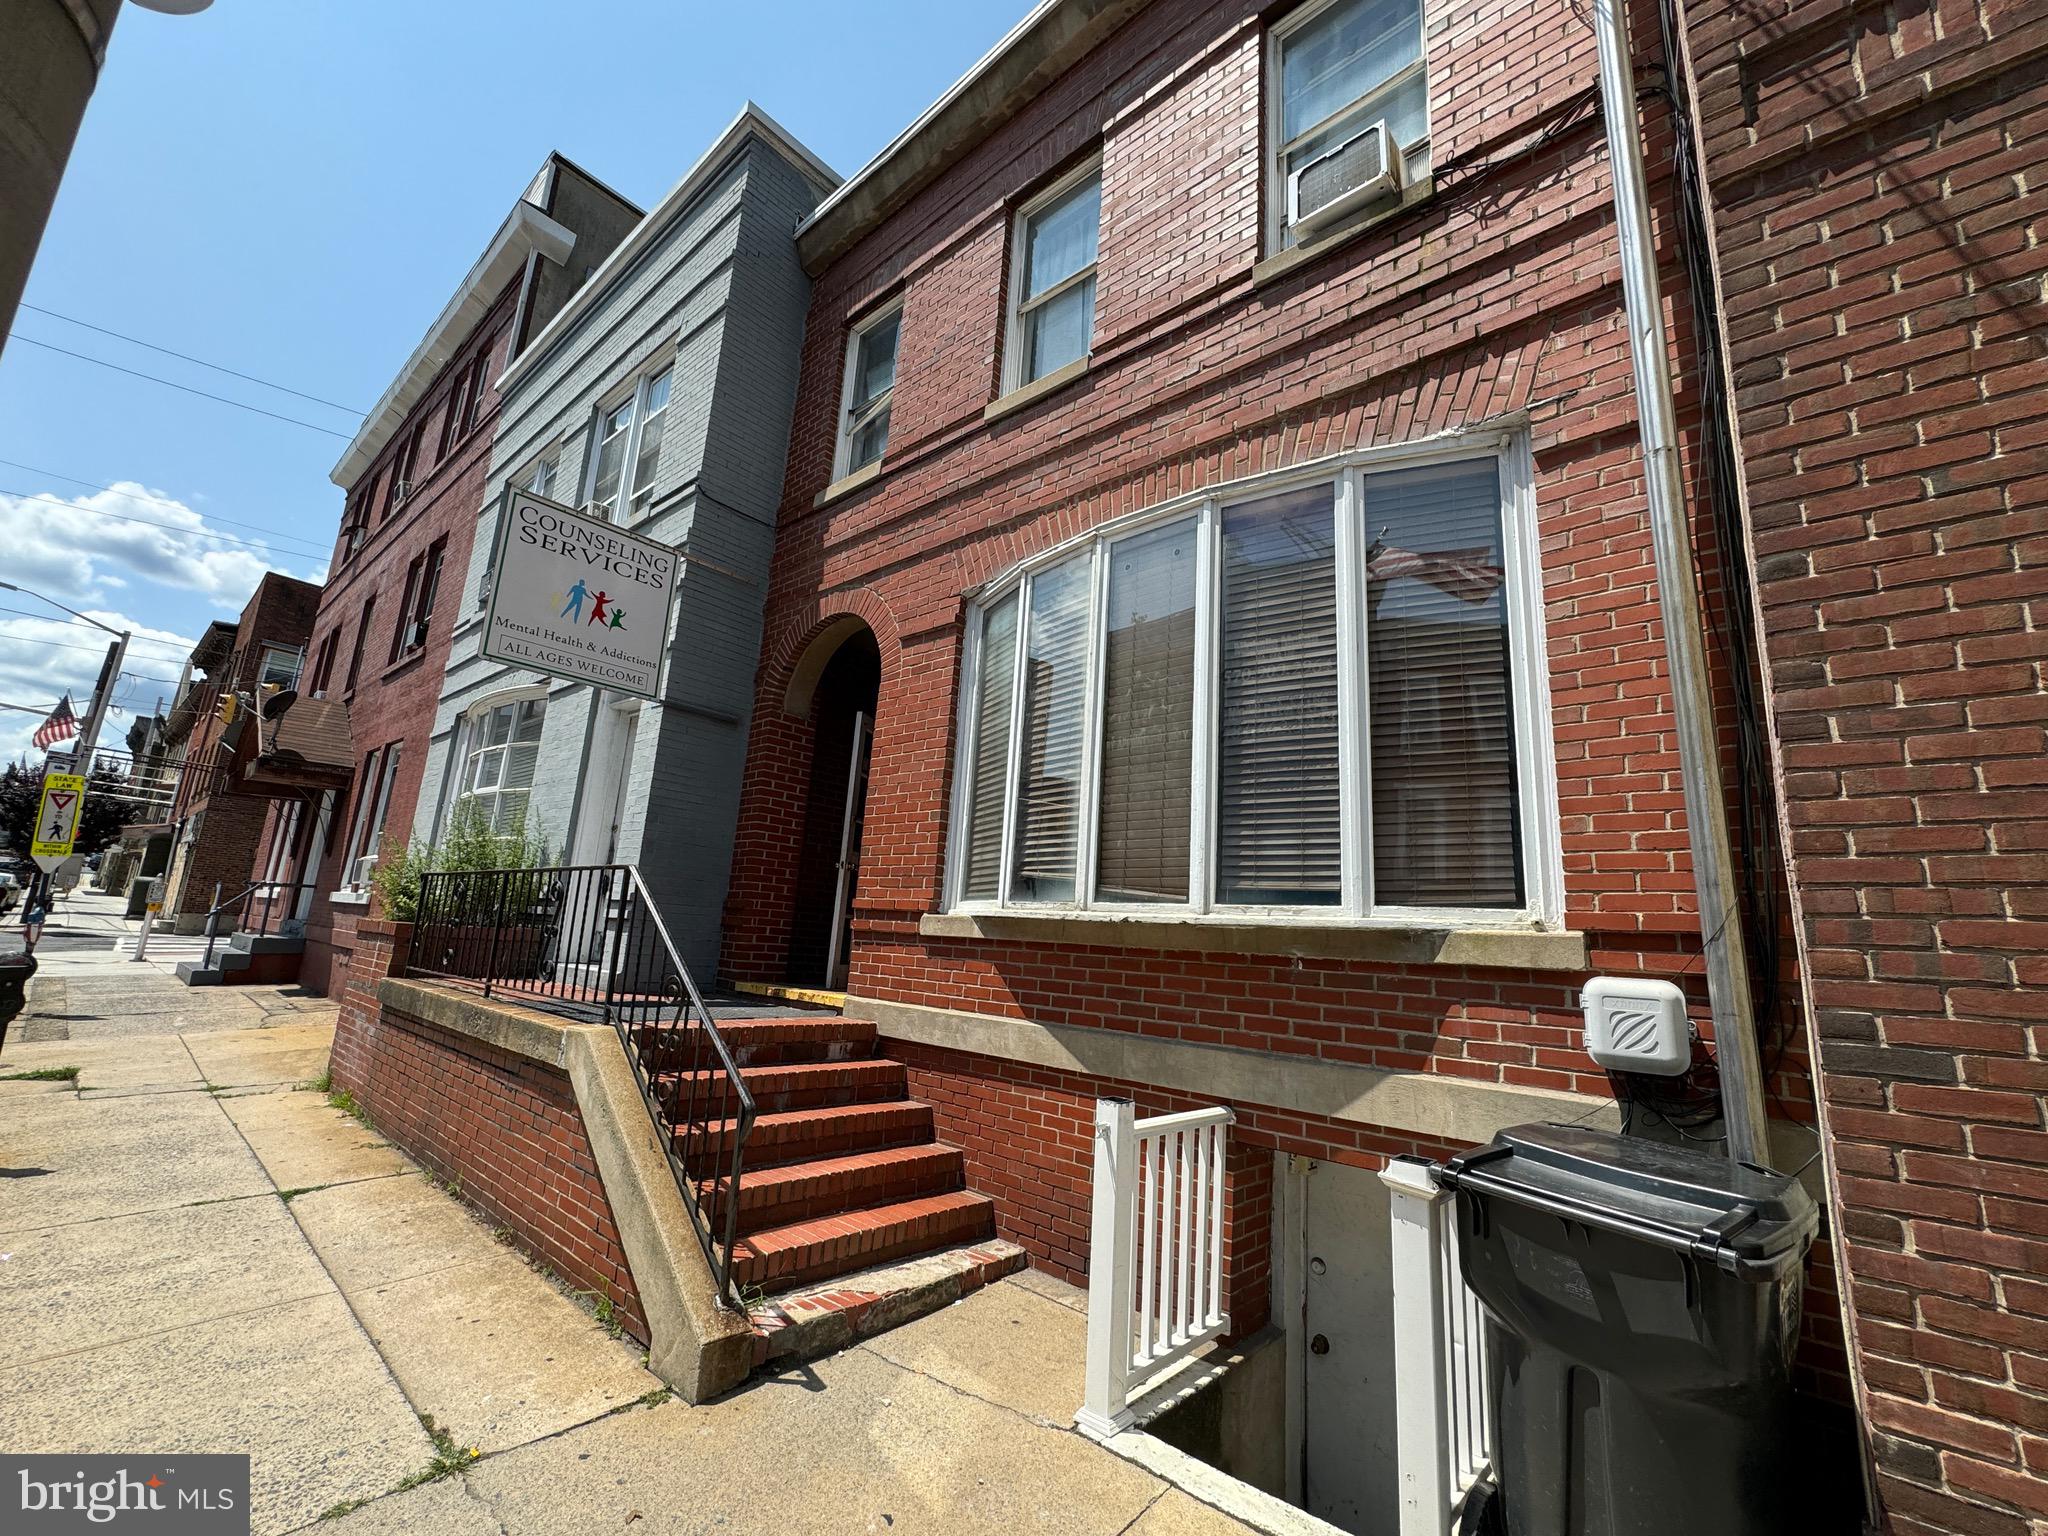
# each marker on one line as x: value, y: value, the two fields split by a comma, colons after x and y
x: 265, y: 944
x: 771, y: 1042
x: 774, y: 1197
x: 801, y: 1135
x: 801, y: 1086
x: 195, y: 973
x: 811, y: 1321
x: 807, y: 1251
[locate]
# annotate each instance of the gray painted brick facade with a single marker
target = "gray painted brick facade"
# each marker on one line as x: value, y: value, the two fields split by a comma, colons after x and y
x: 718, y: 289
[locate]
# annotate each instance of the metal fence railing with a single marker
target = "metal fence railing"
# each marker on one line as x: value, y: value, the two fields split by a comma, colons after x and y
x: 587, y: 942
x: 262, y: 909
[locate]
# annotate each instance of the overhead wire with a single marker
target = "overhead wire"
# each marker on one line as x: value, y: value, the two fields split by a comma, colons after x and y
x: 187, y: 357
x: 195, y: 533
x: 240, y: 405
x: 146, y: 501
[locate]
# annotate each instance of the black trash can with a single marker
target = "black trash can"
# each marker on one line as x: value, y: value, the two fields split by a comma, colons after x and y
x: 15, y: 970
x: 1644, y: 1303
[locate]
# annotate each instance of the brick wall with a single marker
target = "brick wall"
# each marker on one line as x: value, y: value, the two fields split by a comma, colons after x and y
x: 1877, y: 177
x: 1496, y: 298
x: 504, y: 1129
x: 394, y: 701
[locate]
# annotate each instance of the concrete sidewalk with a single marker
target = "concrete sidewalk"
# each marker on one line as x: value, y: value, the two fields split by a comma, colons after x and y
x: 197, y: 1253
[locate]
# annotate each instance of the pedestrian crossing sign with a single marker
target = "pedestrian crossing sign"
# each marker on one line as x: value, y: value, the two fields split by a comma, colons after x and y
x: 57, y: 818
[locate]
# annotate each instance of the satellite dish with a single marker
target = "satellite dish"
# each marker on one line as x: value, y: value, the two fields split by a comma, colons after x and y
x: 279, y: 702
x: 175, y: 7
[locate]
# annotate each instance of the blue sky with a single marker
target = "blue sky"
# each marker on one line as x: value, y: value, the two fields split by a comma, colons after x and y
x: 293, y: 188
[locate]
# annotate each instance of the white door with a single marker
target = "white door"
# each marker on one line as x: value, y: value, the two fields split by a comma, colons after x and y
x: 1348, y: 1412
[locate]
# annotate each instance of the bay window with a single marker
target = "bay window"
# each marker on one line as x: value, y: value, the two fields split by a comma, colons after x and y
x: 1313, y: 695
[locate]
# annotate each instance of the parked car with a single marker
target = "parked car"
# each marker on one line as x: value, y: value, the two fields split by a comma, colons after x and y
x: 10, y: 892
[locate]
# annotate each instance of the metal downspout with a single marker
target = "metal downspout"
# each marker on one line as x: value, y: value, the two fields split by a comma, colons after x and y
x: 1706, y: 810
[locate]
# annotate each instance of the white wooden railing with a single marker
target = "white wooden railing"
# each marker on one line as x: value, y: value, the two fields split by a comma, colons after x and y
x: 1155, y: 1260
x: 1444, y: 1442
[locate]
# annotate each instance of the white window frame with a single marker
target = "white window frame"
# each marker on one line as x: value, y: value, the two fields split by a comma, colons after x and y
x: 294, y: 654
x: 633, y: 396
x: 1529, y: 685
x: 539, y: 477
x: 842, y: 453
x: 1014, y: 360
x: 1274, y: 171
x: 467, y: 749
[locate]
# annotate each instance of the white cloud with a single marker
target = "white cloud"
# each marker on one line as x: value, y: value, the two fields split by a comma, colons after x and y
x: 80, y: 549
x: 43, y: 659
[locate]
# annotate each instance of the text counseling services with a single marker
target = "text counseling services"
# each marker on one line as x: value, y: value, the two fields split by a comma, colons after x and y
x: 575, y: 539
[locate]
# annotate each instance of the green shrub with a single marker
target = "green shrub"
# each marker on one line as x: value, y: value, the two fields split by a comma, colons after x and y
x: 471, y: 844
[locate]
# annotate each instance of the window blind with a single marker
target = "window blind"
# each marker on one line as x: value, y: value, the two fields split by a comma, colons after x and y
x: 1049, y: 778
x: 1445, y: 826
x: 1278, y: 818
x: 1148, y: 718
x: 995, y: 678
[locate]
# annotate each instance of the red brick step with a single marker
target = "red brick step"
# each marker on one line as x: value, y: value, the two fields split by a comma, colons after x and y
x: 804, y: 1085
x: 798, y: 1135
x: 771, y: 1042
x: 803, y: 1251
x: 771, y: 1197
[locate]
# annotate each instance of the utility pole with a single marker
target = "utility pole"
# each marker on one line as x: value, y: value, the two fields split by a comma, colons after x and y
x: 102, y: 696
x: 110, y: 672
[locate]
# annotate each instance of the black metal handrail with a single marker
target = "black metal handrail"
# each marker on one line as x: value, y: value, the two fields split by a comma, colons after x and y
x: 587, y: 942
x: 244, y: 899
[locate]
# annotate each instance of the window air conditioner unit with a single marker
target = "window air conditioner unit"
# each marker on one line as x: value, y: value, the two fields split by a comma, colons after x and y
x: 597, y: 509
x: 400, y: 492
x: 1344, y: 178
x: 418, y: 637
x: 359, y: 874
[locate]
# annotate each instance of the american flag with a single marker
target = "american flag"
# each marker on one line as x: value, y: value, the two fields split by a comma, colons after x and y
x: 61, y: 725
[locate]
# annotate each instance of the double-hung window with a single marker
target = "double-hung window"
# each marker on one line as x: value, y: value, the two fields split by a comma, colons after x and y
x: 541, y: 475
x: 1333, y: 70
x: 627, y: 452
x: 1052, y: 278
x: 280, y: 665
x: 497, y: 770
x: 373, y: 800
x: 870, y: 384
x: 1314, y: 695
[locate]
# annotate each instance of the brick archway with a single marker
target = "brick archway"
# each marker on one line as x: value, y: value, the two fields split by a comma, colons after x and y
x: 824, y: 664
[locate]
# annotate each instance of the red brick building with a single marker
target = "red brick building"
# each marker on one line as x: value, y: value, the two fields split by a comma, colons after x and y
x: 217, y: 814
x: 1247, y: 592
x: 414, y: 477
x: 1877, y: 179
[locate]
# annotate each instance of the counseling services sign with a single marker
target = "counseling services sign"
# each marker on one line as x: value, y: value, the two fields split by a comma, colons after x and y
x: 577, y: 597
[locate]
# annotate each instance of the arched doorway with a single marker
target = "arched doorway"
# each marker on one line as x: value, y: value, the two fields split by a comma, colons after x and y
x: 846, y: 664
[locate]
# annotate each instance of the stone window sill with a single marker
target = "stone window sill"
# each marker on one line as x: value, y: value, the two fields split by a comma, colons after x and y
x: 348, y: 898
x: 1286, y: 263
x: 1030, y: 394
x: 1521, y: 949
x: 848, y: 484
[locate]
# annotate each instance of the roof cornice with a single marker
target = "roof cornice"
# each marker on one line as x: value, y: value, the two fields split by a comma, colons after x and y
x: 1036, y: 52
x: 525, y: 229
x: 750, y: 122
